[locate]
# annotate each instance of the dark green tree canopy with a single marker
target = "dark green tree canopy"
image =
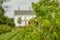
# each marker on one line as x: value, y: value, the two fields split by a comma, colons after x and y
x: 4, y: 19
x: 46, y: 7
x: 49, y: 12
x: 2, y: 11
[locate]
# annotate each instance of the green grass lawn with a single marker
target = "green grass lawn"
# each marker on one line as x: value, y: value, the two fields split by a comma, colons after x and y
x: 13, y: 35
x: 21, y: 34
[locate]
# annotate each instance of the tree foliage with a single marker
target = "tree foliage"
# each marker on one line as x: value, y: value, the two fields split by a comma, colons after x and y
x: 2, y: 11
x: 45, y: 7
x: 49, y: 12
x: 4, y: 19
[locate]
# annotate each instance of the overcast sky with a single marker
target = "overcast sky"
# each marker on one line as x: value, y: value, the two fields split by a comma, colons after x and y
x: 14, y: 4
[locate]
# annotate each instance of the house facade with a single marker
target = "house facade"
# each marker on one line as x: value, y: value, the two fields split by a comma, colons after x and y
x: 22, y: 17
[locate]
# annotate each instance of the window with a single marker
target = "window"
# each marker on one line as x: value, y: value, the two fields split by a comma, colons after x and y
x: 19, y: 20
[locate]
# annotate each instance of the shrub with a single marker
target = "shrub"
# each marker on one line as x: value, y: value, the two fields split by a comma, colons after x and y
x: 4, y: 28
x: 30, y: 33
x: 48, y: 30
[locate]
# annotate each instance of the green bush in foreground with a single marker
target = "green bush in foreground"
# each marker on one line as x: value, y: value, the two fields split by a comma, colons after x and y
x: 4, y: 28
x: 47, y: 30
x: 48, y: 12
x: 30, y: 33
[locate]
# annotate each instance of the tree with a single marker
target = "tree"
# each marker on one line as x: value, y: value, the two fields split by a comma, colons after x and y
x: 2, y: 11
x: 44, y: 7
x: 1, y: 1
x: 4, y: 19
x: 49, y: 10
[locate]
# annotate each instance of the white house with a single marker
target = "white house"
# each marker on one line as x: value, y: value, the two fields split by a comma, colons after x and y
x: 24, y: 15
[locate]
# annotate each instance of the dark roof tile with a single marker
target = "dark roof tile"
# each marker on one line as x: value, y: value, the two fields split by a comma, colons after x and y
x: 23, y: 12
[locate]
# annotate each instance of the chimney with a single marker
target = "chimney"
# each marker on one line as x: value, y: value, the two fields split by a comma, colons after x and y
x: 29, y: 8
x: 18, y: 8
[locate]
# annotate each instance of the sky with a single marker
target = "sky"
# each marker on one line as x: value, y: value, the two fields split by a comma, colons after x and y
x: 12, y: 5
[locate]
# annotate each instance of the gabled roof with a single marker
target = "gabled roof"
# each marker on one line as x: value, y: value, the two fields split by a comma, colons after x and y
x: 23, y: 12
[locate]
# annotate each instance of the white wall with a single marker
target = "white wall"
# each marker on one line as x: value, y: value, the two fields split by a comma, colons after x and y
x: 23, y: 17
